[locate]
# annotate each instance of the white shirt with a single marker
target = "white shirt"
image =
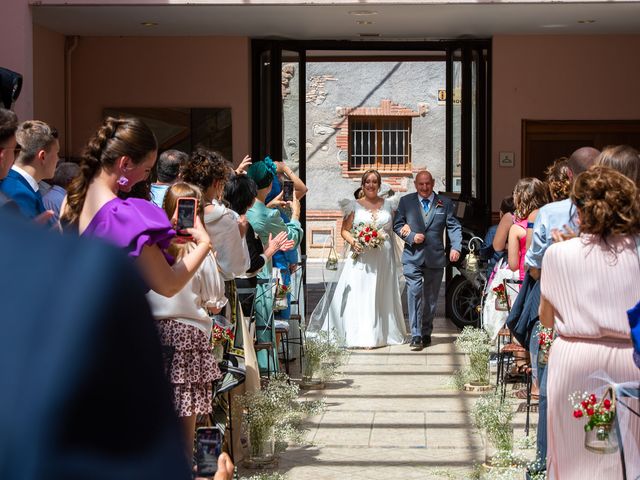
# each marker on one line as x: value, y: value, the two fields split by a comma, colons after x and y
x: 232, y: 251
x: 32, y: 181
x: 189, y: 305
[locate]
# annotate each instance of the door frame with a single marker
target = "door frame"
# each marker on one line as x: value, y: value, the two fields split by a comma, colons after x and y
x: 479, y: 214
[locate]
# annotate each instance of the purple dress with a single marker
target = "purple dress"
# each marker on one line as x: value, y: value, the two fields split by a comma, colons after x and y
x: 131, y: 224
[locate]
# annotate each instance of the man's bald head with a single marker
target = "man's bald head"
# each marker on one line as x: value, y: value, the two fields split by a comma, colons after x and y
x: 582, y: 159
x: 424, y: 183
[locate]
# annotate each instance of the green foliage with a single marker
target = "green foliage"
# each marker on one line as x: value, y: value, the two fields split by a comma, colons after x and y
x: 494, y: 416
x: 324, y: 355
x: 266, y: 476
x: 276, y: 411
x: 476, y: 343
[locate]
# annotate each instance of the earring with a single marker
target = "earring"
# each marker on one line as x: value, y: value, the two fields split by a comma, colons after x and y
x: 123, y: 181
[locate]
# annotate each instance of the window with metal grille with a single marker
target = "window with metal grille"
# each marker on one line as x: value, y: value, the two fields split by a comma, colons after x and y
x: 383, y: 143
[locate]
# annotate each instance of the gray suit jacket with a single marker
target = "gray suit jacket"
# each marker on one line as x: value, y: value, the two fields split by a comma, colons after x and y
x: 431, y: 252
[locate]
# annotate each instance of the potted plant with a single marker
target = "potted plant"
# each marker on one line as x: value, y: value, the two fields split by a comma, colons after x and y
x: 274, y: 414
x: 323, y: 357
x: 475, y: 342
x: 493, y: 418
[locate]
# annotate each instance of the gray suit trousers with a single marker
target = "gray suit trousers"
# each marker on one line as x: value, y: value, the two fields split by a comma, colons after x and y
x: 423, y: 287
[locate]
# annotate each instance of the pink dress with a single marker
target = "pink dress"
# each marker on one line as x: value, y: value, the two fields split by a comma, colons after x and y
x: 591, y: 289
x: 522, y: 247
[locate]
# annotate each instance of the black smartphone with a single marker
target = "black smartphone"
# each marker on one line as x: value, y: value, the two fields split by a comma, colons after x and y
x: 208, y: 449
x: 287, y: 191
x: 187, y: 207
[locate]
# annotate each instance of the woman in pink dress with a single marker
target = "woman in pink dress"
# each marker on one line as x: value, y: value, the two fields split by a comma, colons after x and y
x: 588, y: 284
x: 529, y: 195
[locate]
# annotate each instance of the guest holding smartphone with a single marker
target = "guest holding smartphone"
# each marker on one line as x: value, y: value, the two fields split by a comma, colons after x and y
x: 119, y: 155
x: 184, y: 322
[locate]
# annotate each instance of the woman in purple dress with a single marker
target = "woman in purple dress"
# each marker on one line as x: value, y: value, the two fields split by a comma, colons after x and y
x: 119, y: 155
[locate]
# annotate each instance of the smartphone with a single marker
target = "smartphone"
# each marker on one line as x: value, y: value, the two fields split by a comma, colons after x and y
x: 287, y: 191
x: 208, y: 449
x: 187, y: 208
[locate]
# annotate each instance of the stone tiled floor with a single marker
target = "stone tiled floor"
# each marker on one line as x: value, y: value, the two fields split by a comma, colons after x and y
x: 393, y: 414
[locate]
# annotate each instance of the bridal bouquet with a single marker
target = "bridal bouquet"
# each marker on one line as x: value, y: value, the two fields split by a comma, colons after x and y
x: 368, y: 235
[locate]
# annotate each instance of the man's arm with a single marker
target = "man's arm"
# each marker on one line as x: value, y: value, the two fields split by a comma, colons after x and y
x: 454, y: 229
x: 399, y: 220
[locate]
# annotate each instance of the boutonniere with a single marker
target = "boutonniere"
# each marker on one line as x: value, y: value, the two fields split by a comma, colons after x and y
x: 439, y: 204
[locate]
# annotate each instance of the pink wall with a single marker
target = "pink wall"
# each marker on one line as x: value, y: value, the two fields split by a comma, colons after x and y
x: 48, y: 79
x: 16, y: 50
x: 558, y: 78
x: 161, y: 72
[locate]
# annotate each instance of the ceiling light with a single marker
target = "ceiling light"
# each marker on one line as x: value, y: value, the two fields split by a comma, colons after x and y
x: 586, y: 21
x: 362, y: 13
x: 554, y: 25
x: 149, y: 24
x: 364, y: 22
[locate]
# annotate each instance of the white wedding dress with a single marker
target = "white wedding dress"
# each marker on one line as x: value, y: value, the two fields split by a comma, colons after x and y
x: 364, y: 307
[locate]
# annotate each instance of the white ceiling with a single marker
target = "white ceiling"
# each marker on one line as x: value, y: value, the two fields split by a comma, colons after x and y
x: 392, y: 22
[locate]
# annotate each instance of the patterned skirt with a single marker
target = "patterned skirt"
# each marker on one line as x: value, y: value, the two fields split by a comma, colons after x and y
x: 192, y: 369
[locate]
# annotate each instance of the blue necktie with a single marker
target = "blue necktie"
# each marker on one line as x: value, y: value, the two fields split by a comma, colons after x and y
x: 425, y: 204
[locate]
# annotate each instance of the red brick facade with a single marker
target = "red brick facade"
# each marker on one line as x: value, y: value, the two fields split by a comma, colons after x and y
x: 387, y: 109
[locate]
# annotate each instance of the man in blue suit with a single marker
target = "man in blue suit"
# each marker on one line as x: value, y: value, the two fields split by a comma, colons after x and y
x: 8, y: 147
x: 420, y: 221
x: 39, y: 148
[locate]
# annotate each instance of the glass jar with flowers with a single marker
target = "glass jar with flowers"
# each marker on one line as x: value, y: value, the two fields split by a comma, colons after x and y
x: 502, y: 302
x: 493, y: 417
x: 273, y: 416
x: 221, y: 333
x: 475, y: 342
x: 600, y: 429
x: 282, y: 297
x: 545, y: 339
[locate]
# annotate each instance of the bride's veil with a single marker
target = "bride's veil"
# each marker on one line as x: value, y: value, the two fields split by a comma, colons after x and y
x: 330, y: 279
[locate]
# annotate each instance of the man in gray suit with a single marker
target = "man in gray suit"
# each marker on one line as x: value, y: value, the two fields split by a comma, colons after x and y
x: 420, y: 221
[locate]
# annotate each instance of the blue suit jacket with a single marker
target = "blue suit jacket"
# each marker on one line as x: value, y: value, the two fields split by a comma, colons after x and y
x: 82, y: 387
x: 17, y: 188
x: 431, y: 252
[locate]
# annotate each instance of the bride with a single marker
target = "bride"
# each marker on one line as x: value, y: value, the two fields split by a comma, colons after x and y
x: 364, y: 308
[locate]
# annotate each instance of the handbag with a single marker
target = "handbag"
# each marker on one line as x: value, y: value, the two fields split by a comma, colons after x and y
x: 634, y: 315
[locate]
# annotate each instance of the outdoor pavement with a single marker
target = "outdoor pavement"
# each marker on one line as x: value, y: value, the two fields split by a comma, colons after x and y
x: 393, y: 414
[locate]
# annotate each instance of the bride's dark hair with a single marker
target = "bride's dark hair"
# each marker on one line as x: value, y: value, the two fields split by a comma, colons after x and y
x: 359, y: 193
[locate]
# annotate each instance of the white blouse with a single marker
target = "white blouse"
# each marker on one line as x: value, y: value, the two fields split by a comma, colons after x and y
x: 189, y: 305
x: 232, y: 251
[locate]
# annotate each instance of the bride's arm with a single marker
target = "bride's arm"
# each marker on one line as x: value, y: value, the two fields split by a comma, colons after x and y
x: 345, y: 233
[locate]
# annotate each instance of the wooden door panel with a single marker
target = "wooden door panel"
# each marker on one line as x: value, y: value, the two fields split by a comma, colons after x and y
x: 543, y: 141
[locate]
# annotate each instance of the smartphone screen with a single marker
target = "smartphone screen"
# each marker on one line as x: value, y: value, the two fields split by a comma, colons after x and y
x: 208, y: 449
x: 287, y: 190
x: 186, y: 213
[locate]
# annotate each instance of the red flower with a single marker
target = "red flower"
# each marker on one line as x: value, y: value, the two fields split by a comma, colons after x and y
x: 367, y: 238
x: 367, y: 229
x: 590, y: 411
x: 577, y: 413
x: 584, y: 404
x: 592, y: 399
x: 374, y: 234
x: 361, y: 234
x: 607, y: 403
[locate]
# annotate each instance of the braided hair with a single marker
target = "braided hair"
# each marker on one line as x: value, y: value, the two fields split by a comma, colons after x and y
x: 116, y: 137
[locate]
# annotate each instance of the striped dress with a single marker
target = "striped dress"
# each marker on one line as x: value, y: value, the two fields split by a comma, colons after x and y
x: 590, y: 288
